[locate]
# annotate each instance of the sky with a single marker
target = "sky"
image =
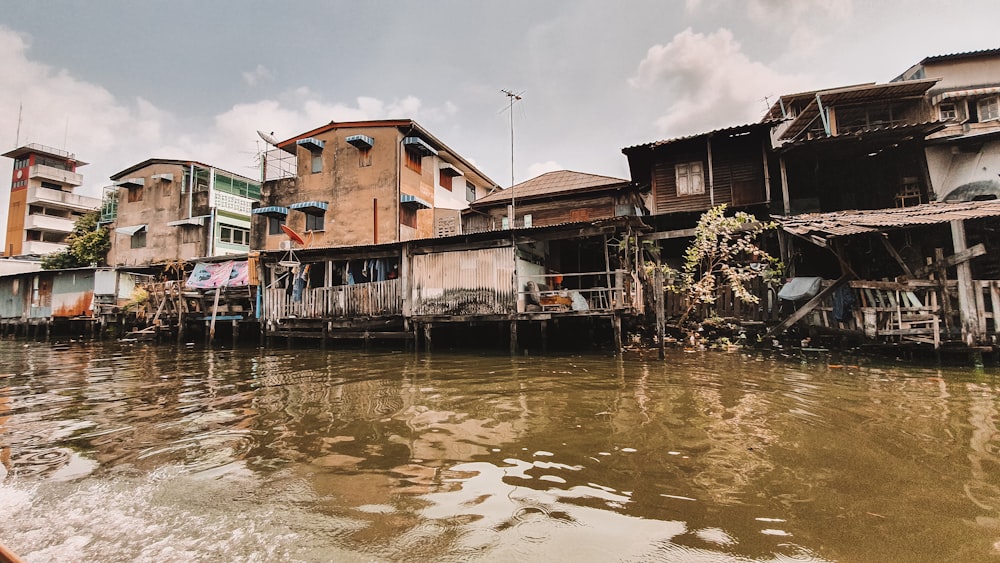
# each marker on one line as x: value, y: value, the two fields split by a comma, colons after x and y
x: 118, y: 81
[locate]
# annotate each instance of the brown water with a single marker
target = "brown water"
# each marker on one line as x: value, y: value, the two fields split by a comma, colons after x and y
x: 118, y: 452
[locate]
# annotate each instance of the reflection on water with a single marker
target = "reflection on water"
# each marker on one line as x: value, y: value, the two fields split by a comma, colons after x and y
x: 119, y: 453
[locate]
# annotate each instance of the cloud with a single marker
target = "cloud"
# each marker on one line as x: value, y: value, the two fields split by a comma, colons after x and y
x: 259, y: 74
x: 710, y: 82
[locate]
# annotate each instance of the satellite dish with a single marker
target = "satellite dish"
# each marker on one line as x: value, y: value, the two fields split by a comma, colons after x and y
x: 268, y: 138
x: 292, y: 235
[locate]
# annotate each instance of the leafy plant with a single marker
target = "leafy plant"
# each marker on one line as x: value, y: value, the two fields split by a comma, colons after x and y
x: 724, y: 253
x: 88, y: 244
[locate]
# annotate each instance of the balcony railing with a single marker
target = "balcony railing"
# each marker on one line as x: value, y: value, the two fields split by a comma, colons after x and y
x: 49, y: 223
x: 54, y: 174
x: 61, y: 199
x: 376, y: 299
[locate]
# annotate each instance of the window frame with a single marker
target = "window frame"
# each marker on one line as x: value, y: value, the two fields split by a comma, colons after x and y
x: 138, y: 239
x: 315, y: 222
x: 274, y: 225
x: 991, y: 103
x: 684, y: 173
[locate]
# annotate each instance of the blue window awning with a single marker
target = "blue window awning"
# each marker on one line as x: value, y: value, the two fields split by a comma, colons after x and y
x: 130, y: 230
x: 418, y: 145
x: 361, y: 141
x: 311, y: 143
x: 272, y: 211
x: 312, y: 207
x: 413, y: 201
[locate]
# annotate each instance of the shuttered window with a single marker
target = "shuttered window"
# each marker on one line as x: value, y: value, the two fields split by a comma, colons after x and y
x: 690, y: 178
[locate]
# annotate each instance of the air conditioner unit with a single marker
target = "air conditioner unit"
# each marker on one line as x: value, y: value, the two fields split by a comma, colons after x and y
x: 285, y: 245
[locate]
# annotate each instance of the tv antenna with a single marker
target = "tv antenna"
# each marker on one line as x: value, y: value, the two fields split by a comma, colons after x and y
x: 511, y: 98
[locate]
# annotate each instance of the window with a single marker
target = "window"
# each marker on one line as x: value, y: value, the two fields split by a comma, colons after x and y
x: 445, y: 181
x: 192, y: 235
x: 317, y: 162
x: 948, y: 111
x: 274, y: 225
x: 139, y: 239
x: 314, y: 222
x: 988, y: 109
x: 690, y: 180
x: 413, y: 160
x: 234, y: 235
x: 470, y: 191
x: 408, y: 217
x: 134, y: 194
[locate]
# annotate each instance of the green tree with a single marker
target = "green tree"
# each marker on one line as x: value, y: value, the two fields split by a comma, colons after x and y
x: 724, y: 253
x: 88, y: 244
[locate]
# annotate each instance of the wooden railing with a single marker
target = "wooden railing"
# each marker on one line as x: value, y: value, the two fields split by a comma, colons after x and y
x: 375, y: 299
x: 727, y: 305
x: 604, y: 291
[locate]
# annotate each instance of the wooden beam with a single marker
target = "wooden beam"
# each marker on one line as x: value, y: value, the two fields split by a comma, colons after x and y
x: 679, y: 233
x: 805, y: 309
x: 895, y: 254
x: 955, y: 259
x: 967, y: 302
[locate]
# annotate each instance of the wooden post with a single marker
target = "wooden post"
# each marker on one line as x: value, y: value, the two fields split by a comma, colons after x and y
x: 543, y: 327
x: 785, y: 201
x: 513, y: 337
x: 616, y: 329
x: 215, y: 312
x: 427, y: 337
x: 966, y: 296
x: 661, y: 315
x: 942, y: 275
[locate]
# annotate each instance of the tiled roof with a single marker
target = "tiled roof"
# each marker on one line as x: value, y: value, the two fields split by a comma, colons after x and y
x: 854, y: 222
x: 550, y: 183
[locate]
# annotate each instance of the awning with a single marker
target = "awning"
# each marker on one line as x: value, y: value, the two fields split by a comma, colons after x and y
x: 413, y: 201
x: 196, y: 221
x: 131, y: 182
x: 361, y: 141
x: 272, y: 211
x: 450, y: 170
x: 311, y: 143
x: 313, y: 207
x: 130, y: 230
x: 418, y: 145
x: 965, y: 94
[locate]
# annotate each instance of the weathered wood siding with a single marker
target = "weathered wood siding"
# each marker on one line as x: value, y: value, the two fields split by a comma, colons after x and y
x: 737, y: 176
x: 467, y: 282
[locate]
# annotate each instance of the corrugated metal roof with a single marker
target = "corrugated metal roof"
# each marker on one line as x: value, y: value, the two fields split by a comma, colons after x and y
x: 746, y: 127
x: 855, y: 222
x: 882, y: 133
x: 853, y: 95
x: 956, y: 56
x: 561, y: 181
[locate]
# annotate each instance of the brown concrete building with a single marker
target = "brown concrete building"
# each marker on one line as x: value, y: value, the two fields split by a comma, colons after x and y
x: 162, y: 210
x: 368, y: 182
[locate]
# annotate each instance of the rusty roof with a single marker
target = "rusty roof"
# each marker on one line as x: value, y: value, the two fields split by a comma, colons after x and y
x: 735, y: 130
x: 854, y: 95
x: 822, y: 226
x: 551, y: 183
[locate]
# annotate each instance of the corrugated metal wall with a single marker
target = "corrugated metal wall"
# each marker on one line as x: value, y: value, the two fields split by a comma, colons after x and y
x: 73, y: 293
x: 467, y: 282
x: 13, y: 290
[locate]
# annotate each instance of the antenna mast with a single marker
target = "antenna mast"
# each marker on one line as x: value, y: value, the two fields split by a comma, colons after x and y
x: 512, y: 97
x: 20, y: 106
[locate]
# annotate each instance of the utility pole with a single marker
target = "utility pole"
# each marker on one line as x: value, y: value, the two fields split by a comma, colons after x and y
x: 511, y: 97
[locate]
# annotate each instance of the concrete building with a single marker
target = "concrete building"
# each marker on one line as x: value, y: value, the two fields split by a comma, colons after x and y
x: 163, y: 210
x: 43, y: 206
x: 963, y: 158
x: 367, y: 182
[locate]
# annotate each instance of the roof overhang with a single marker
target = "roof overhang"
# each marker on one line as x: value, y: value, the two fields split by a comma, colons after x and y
x: 449, y: 170
x: 868, y: 138
x: 969, y: 93
x: 131, y: 183
x: 272, y: 211
x: 311, y: 143
x: 312, y: 207
x: 821, y: 227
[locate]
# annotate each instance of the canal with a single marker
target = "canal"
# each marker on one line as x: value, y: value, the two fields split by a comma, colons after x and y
x: 133, y: 452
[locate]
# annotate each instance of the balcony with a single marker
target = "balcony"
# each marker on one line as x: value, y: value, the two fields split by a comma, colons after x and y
x: 62, y: 200
x: 53, y: 174
x: 48, y: 223
x: 40, y: 248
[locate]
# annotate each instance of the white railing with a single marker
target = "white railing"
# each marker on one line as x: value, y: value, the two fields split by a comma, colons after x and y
x: 375, y: 299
